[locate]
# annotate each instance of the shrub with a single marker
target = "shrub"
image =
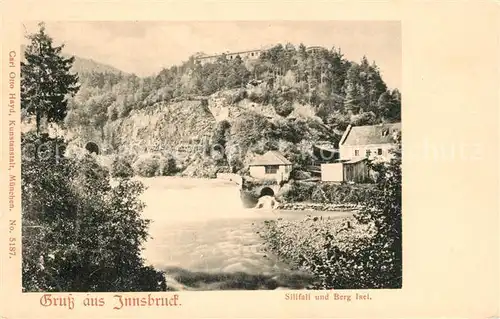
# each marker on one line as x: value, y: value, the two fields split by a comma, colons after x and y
x: 298, y: 192
x: 249, y: 128
x: 236, y: 164
x: 284, y: 109
x: 298, y: 174
x: 168, y: 166
x: 254, y: 97
x: 151, y: 165
x: 342, y: 193
x: 261, y: 96
x: 383, y: 208
x: 121, y: 167
x: 221, y: 133
x: 363, y: 252
x: 147, y: 166
x: 367, y: 118
x: 79, y: 233
x: 329, y: 250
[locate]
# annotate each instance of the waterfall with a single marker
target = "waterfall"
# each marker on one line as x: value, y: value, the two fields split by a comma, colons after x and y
x: 192, y: 199
x: 266, y: 202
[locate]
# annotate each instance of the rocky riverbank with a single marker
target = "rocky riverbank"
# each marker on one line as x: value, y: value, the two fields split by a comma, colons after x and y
x: 318, y: 207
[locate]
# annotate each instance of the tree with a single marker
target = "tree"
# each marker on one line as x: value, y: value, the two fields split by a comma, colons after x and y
x: 302, y: 51
x: 79, y: 233
x: 373, y: 85
x: 365, y: 118
x: 353, y: 94
x: 46, y: 81
x: 389, y: 105
x: 221, y: 133
x: 383, y: 209
x: 250, y: 128
x: 394, y: 112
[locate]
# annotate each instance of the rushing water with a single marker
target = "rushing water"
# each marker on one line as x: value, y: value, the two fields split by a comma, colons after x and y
x: 204, y: 238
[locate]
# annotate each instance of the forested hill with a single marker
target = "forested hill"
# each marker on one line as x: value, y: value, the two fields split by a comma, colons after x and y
x: 84, y: 65
x: 286, y: 98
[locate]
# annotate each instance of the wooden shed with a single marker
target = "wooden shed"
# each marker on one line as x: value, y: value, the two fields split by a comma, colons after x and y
x: 355, y: 170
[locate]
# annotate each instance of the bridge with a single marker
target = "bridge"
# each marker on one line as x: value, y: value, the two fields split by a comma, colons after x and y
x: 267, y: 190
x: 262, y: 190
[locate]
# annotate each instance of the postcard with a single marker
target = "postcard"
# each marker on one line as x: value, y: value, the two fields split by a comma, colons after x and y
x: 249, y: 159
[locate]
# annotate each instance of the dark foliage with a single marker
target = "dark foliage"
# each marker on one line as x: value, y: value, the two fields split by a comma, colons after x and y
x: 79, y: 233
x: 364, y: 252
x: 121, y: 167
x: 46, y: 81
x: 289, y: 74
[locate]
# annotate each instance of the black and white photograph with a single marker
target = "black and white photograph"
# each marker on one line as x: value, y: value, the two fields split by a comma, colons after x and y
x: 211, y: 155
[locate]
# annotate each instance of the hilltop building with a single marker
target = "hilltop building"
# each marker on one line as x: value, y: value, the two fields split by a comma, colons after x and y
x: 314, y: 49
x: 244, y: 55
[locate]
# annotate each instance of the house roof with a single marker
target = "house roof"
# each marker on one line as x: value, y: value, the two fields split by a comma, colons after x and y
x: 314, y: 47
x: 226, y: 53
x: 370, y: 134
x: 270, y: 158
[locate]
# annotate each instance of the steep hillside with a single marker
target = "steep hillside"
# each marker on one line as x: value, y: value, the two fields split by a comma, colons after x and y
x: 221, y: 115
x: 206, y: 135
x: 162, y: 127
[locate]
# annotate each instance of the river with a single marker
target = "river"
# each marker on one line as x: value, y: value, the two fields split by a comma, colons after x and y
x: 205, y: 240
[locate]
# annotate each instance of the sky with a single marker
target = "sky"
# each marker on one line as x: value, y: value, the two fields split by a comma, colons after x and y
x: 145, y: 47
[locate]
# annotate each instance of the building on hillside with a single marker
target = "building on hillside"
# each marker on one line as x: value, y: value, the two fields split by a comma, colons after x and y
x: 244, y: 55
x: 372, y: 141
x: 271, y: 166
x: 357, y: 145
x: 314, y: 49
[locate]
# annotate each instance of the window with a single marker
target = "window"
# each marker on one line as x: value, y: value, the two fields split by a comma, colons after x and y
x: 356, y: 152
x: 272, y: 169
x: 379, y: 151
x: 252, y: 53
x: 367, y: 153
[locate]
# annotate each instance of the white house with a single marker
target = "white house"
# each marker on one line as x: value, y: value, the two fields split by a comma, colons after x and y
x: 271, y: 166
x: 368, y: 141
x: 359, y: 143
